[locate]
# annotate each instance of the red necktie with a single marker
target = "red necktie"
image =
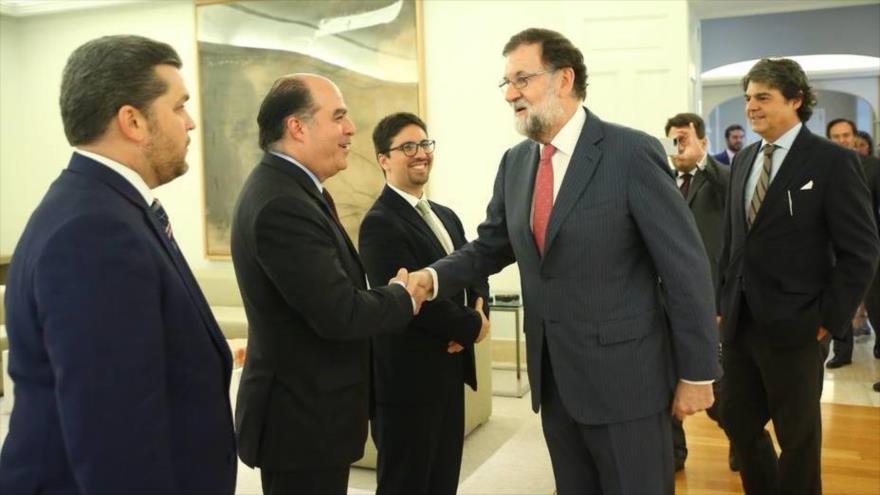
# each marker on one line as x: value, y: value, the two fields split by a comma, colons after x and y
x: 543, y: 196
x: 685, y: 184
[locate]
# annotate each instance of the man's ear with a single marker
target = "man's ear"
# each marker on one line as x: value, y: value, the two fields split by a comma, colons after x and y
x: 132, y: 123
x: 296, y: 128
x: 566, y: 80
x: 383, y: 162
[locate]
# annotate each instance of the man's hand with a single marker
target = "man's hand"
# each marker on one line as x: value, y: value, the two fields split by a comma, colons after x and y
x: 420, y: 285
x: 452, y: 347
x: 690, y: 147
x: 821, y: 333
x: 402, y: 279
x: 484, y: 329
x: 691, y: 398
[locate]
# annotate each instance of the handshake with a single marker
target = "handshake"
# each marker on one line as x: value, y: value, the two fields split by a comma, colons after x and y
x: 420, y: 286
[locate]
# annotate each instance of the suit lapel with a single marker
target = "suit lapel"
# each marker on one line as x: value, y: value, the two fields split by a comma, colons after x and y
x: 791, y: 168
x: 409, y: 215
x: 84, y: 165
x: 581, y: 168
x: 450, y: 226
x: 308, y: 186
x: 740, y: 180
x: 697, y: 182
x: 525, y: 174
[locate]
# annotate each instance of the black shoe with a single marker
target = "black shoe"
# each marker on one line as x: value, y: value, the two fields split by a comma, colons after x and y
x: 732, y: 460
x: 877, y: 387
x: 837, y: 362
x: 679, y: 465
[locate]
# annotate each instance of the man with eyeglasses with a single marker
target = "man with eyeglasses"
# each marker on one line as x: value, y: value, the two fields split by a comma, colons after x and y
x: 418, y: 375
x: 591, y: 214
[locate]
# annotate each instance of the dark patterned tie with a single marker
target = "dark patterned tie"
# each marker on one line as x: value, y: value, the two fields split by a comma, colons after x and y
x: 164, y: 221
x: 763, y: 183
x: 685, y: 184
x: 543, y: 196
x: 331, y: 204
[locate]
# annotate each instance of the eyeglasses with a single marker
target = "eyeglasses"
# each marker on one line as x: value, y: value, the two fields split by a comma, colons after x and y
x: 521, y: 81
x: 410, y: 148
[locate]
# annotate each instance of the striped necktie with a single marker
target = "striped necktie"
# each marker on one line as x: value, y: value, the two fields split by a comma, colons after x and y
x: 763, y: 183
x: 164, y: 221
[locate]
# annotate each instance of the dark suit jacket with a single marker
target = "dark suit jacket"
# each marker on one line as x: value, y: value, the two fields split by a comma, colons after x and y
x: 706, y: 196
x: 412, y: 368
x: 617, y: 225
x: 722, y: 157
x: 805, y: 265
x: 305, y: 389
x: 871, y: 167
x: 121, y: 373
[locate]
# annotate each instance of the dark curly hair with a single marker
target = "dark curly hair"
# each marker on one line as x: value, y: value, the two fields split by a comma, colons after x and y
x: 788, y: 77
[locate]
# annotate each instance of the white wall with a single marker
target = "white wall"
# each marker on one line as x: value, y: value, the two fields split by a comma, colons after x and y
x: 637, y: 55
x: 12, y: 170
x: 637, y: 60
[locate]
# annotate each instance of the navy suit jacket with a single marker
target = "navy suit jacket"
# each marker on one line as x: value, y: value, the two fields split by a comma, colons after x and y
x: 121, y: 373
x: 414, y: 367
x: 722, y: 157
x: 811, y: 253
x: 618, y: 225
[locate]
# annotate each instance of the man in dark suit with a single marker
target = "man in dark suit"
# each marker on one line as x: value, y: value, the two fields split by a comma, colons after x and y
x: 843, y: 132
x: 703, y: 183
x: 121, y: 372
x: 418, y: 375
x: 589, y: 212
x: 800, y: 247
x: 733, y: 137
x: 305, y: 393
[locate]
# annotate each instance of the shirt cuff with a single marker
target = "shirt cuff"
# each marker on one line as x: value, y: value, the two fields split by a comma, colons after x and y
x: 698, y: 382
x: 433, y: 273
x: 411, y: 298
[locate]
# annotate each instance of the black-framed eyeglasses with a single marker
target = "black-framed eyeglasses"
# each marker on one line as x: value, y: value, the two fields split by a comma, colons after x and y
x: 522, y: 80
x: 410, y: 148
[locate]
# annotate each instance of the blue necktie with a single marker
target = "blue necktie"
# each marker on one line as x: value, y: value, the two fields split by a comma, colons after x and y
x: 164, y: 221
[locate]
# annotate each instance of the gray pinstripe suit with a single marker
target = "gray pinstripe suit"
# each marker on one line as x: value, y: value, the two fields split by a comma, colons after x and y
x: 617, y: 224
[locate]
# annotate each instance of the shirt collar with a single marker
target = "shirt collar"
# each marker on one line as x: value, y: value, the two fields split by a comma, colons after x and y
x: 303, y: 167
x: 412, y: 200
x: 700, y: 167
x: 786, y: 140
x: 128, y: 174
x: 567, y: 137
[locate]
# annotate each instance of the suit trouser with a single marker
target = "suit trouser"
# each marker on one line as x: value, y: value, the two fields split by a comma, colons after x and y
x: 783, y: 385
x: 419, y: 446
x: 631, y: 457
x: 330, y: 481
x: 843, y: 349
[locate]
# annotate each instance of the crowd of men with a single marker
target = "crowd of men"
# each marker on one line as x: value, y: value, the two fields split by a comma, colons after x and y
x: 632, y: 272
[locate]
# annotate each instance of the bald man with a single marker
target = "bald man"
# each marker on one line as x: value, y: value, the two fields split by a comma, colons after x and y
x: 303, y: 403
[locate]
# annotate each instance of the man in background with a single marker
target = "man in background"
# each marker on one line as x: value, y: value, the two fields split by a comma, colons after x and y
x: 121, y: 372
x: 734, y: 136
x: 589, y: 212
x: 305, y: 395
x: 843, y: 132
x: 703, y: 183
x: 420, y: 374
x: 800, y: 248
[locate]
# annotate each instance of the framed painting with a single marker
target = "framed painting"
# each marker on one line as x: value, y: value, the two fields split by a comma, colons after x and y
x: 372, y: 49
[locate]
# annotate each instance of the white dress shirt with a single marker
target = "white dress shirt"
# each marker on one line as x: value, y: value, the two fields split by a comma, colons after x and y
x: 679, y: 176
x: 783, y: 145
x: 128, y: 174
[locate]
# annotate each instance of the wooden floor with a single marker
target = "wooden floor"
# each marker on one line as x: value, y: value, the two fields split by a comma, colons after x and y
x: 850, y: 454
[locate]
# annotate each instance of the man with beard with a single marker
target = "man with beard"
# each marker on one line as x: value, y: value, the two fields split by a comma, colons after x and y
x: 734, y: 136
x: 418, y: 375
x: 121, y: 373
x: 591, y: 214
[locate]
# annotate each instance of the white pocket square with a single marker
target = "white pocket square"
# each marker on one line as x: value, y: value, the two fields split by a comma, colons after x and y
x: 807, y: 186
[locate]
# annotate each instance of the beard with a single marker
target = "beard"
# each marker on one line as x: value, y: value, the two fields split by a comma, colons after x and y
x: 735, y: 147
x: 167, y: 163
x: 539, y: 119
